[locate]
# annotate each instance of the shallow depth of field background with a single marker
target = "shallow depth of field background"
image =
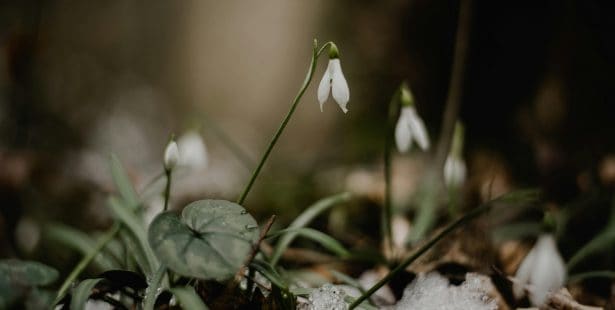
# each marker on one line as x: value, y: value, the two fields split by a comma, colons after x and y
x: 82, y: 79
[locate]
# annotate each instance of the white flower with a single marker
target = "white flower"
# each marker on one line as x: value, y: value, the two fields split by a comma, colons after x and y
x: 171, y: 155
x: 541, y: 272
x: 192, y: 150
x: 334, y: 80
x: 454, y: 171
x: 410, y: 126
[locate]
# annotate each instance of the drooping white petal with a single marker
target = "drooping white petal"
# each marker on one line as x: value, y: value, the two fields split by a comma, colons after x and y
x: 192, y: 150
x: 171, y: 155
x: 541, y: 272
x: 524, y: 272
x: 339, y: 86
x: 418, y: 129
x: 548, y: 272
x: 325, y: 86
x: 403, y: 135
x: 454, y: 171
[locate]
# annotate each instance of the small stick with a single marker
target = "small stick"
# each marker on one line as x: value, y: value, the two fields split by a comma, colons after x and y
x: 255, y: 247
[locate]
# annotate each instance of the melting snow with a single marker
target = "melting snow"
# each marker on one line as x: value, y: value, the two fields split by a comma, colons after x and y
x: 432, y: 291
x: 327, y: 297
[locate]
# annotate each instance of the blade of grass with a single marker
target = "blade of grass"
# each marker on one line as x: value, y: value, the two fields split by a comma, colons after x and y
x: 609, y: 274
x: 82, y: 293
x: 321, y: 238
x: 137, y: 229
x: 85, y: 261
x: 154, y: 288
x: 269, y: 272
x: 123, y: 184
x: 603, y: 241
x: 517, y: 231
x: 79, y: 242
x: 517, y: 197
x: 187, y: 297
x: 304, y: 219
x: 363, y: 305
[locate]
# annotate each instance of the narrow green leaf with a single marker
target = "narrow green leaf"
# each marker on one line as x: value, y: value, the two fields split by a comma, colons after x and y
x: 321, y: 238
x: 591, y: 275
x: 135, y: 257
x: 367, y: 304
x: 85, y: 261
x: 304, y: 219
x: 82, y: 293
x: 301, y: 291
x: 517, y: 231
x: 521, y: 196
x: 364, y: 305
x: 137, y: 229
x: 602, y: 242
x: 269, y: 272
x: 116, y: 250
x: 155, y: 287
x: 188, y: 298
x: 80, y: 242
x: 123, y: 184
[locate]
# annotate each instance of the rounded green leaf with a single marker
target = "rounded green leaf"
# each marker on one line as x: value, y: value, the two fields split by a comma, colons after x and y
x: 211, y: 240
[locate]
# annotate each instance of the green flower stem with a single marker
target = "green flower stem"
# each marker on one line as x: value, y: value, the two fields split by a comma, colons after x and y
x: 308, y: 78
x: 451, y: 227
x: 167, y: 189
x: 86, y: 260
x: 387, y: 209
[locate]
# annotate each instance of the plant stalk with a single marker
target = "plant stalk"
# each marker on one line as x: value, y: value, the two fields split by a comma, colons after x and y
x: 167, y: 189
x: 448, y: 229
x: 387, y: 210
x: 308, y: 78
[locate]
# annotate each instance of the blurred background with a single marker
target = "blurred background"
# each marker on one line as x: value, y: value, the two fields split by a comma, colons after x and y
x: 80, y: 80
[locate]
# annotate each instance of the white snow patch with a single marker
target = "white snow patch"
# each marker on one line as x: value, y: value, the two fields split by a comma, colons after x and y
x: 327, y: 297
x: 433, y: 291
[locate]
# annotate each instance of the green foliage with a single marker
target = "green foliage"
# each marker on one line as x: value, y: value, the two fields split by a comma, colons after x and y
x: 123, y: 184
x: 137, y: 235
x: 305, y: 219
x: 80, y: 242
x: 321, y: 238
x: 188, y: 299
x: 82, y: 292
x: 211, y: 240
x: 154, y: 288
x: 20, y: 281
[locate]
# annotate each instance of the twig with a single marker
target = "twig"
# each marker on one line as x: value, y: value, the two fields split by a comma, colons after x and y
x: 255, y: 247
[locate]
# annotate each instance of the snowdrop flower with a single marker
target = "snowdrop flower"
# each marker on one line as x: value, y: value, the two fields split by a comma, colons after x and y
x: 454, y: 171
x: 542, y: 271
x: 409, y: 125
x: 171, y: 156
x: 455, y: 166
x: 192, y: 150
x: 334, y: 81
